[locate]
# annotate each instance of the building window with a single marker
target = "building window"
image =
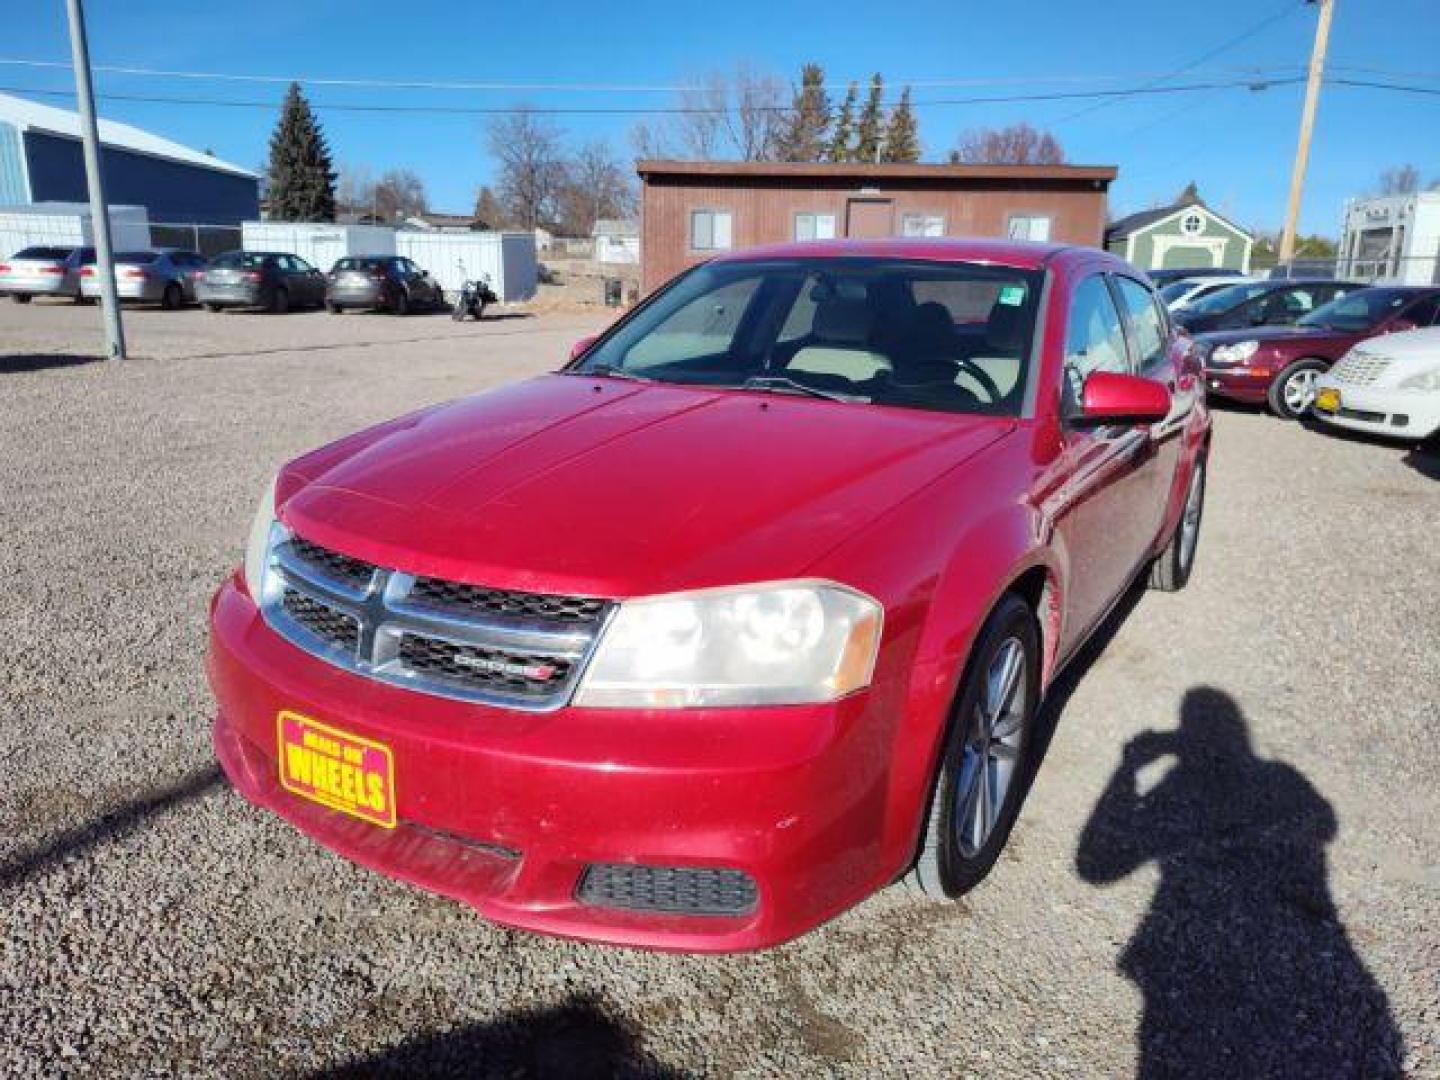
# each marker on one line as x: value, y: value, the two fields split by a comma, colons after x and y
x: 922, y: 225
x: 709, y: 230
x: 814, y: 226
x: 1192, y: 224
x: 1028, y: 227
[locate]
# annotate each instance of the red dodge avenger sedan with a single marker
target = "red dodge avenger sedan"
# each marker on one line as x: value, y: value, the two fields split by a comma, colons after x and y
x: 740, y: 616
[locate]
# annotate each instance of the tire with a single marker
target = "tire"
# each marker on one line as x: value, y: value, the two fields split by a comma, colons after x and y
x: 20, y: 297
x: 279, y: 302
x: 334, y: 309
x: 480, y: 311
x: 458, y: 312
x: 173, y: 297
x: 401, y: 304
x: 1293, y: 390
x: 1171, y: 569
x: 212, y: 308
x: 959, y: 840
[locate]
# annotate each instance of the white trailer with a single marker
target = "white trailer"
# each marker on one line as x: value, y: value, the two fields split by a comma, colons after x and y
x: 318, y: 243
x: 69, y: 225
x: 1392, y: 238
x: 507, y: 259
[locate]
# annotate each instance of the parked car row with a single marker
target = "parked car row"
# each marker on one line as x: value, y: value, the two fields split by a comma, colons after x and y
x: 271, y: 280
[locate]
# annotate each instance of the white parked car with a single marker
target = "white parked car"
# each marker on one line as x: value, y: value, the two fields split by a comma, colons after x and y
x: 1185, y: 291
x: 1386, y: 385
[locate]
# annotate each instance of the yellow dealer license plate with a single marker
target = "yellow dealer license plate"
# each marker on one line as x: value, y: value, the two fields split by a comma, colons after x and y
x: 336, y: 769
x: 1328, y: 399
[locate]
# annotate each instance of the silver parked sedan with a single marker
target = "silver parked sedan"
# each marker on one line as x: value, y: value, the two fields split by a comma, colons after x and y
x: 166, y: 278
x: 44, y: 270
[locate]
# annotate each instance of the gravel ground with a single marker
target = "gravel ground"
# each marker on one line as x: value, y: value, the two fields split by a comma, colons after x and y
x: 1269, y: 906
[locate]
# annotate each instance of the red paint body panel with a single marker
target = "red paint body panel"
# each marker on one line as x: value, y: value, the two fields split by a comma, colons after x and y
x: 598, y: 486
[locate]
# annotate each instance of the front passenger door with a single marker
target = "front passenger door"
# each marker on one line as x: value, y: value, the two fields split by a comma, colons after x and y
x: 1103, y: 511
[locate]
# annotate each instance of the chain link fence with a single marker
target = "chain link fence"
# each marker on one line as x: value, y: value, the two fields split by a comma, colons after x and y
x: 207, y: 240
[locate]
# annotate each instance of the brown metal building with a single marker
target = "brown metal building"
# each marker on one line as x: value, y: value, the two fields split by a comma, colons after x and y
x: 692, y: 210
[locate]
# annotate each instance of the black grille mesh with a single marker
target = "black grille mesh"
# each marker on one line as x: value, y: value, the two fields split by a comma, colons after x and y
x: 332, y: 564
x: 675, y: 890
x: 475, y: 599
x: 480, y: 668
x: 323, y: 621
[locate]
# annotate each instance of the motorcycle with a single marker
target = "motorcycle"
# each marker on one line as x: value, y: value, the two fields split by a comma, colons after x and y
x: 475, y: 294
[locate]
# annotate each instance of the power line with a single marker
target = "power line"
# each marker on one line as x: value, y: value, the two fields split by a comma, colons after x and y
x: 1285, y: 10
x: 625, y: 110
x: 563, y: 87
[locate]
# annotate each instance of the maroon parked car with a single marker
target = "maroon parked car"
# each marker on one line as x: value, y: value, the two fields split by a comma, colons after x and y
x: 1278, y: 365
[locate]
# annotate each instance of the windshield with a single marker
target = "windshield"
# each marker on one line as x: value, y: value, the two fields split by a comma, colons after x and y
x: 1175, y: 290
x: 1358, y: 310
x: 251, y: 259
x: 43, y: 253
x: 1224, y: 299
x: 925, y: 335
x: 137, y: 256
x: 353, y: 263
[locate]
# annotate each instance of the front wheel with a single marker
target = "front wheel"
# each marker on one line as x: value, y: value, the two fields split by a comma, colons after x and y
x: 214, y: 309
x: 172, y: 298
x: 401, y: 305
x: 280, y: 301
x: 1293, y: 391
x: 20, y: 297
x: 1171, y: 569
x: 986, y: 760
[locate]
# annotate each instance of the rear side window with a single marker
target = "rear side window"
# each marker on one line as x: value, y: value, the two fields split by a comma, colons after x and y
x: 1146, y: 323
x: 43, y: 253
x: 1094, y: 339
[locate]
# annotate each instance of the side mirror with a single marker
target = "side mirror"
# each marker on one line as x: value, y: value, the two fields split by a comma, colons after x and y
x: 1112, y: 398
x: 581, y: 347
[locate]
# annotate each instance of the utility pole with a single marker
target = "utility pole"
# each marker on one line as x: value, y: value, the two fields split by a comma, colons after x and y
x: 99, y: 209
x: 1307, y: 124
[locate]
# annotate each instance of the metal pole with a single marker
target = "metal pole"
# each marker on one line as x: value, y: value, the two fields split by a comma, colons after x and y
x: 99, y: 209
x: 1307, y: 123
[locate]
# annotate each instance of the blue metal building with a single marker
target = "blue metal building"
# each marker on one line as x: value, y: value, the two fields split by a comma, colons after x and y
x: 41, y: 161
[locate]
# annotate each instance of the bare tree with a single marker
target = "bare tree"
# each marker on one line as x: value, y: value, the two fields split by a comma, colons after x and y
x: 737, y: 115
x: 701, y: 128
x: 597, y: 185
x: 1400, y: 180
x: 757, y: 114
x: 650, y: 141
x: 532, y: 168
x: 400, y: 194
x: 355, y: 189
x: 1018, y: 144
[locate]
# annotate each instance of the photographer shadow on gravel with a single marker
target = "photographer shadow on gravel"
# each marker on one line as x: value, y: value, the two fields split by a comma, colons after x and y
x: 1245, y: 966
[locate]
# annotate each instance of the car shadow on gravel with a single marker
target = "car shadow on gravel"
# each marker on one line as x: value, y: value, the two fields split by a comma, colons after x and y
x: 1244, y: 964
x: 118, y: 822
x: 23, y: 362
x: 577, y: 1040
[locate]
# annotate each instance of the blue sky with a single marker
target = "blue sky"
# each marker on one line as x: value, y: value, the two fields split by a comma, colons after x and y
x: 1237, y: 144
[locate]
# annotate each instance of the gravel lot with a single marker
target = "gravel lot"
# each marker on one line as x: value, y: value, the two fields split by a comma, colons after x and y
x: 1268, y: 907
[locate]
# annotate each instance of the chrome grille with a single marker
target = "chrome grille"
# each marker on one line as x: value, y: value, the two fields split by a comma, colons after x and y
x: 451, y: 639
x: 1358, y: 368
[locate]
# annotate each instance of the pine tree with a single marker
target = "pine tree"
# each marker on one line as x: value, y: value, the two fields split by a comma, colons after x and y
x: 902, y: 136
x: 841, y: 148
x: 803, y: 136
x: 872, y: 124
x: 301, y: 179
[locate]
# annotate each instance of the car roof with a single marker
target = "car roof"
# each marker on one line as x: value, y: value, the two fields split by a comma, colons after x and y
x: 1021, y: 254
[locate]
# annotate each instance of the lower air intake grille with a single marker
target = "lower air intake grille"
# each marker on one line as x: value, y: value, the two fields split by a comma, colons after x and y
x: 674, y: 890
x: 331, y: 626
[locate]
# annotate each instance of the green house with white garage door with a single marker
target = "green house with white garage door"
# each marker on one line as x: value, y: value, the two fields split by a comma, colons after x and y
x: 1187, y: 234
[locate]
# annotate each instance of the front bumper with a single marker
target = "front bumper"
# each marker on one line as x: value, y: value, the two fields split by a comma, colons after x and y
x: 1239, y: 382
x: 1399, y: 414
x: 504, y: 810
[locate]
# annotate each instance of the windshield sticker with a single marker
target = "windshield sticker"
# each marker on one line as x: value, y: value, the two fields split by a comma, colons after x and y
x: 1012, y: 295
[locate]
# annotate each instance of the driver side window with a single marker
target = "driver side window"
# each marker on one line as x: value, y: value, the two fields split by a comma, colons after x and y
x: 1094, y: 340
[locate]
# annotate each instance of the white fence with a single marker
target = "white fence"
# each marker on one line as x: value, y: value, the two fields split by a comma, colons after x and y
x: 507, y: 259
x: 69, y: 225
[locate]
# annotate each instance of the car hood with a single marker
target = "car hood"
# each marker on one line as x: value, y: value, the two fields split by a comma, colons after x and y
x: 601, y: 487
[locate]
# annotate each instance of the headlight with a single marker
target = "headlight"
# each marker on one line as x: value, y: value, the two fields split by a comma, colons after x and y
x: 1425, y: 380
x: 787, y: 643
x: 1237, y: 353
x: 257, y: 547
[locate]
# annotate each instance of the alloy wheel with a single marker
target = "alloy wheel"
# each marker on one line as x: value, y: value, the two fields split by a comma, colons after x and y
x: 993, y: 747
x: 1299, y: 390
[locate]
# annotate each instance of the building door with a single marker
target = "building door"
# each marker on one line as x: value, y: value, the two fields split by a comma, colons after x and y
x: 869, y: 217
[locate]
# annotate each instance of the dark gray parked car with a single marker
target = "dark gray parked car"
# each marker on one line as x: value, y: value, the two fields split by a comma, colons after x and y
x: 273, y: 280
x: 391, y: 282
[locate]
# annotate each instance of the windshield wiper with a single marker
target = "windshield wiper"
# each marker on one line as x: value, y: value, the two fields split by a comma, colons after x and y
x: 782, y: 384
x: 612, y: 371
